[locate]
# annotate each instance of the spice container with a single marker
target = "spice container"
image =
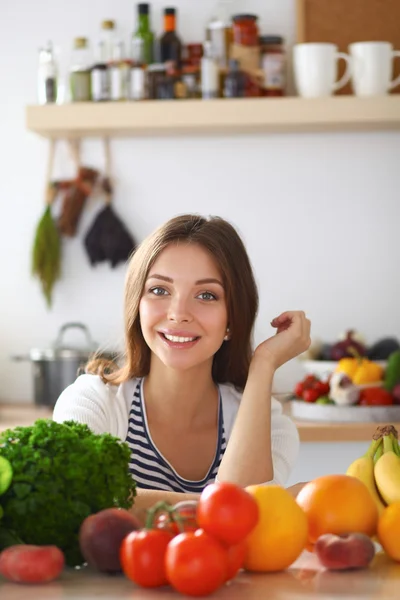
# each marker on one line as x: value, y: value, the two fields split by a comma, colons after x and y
x: 245, y: 30
x: 47, y: 75
x: 273, y: 64
x: 100, y: 87
x: 191, y: 79
x: 209, y: 73
x: 235, y: 81
x: 156, y: 75
x: 80, y: 78
x: 119, y: 72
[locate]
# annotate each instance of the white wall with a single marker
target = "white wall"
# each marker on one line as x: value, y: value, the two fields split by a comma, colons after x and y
x: 319, y: 212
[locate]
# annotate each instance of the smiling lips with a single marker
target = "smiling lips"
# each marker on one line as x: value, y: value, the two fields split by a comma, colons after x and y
x: 178, y: 341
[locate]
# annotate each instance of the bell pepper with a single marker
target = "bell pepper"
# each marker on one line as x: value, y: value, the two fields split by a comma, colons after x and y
x: 392, y: 375
x: 376, y: 396
x: 360, y: 370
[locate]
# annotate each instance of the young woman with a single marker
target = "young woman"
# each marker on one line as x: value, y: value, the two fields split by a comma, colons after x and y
x: 193, y: 400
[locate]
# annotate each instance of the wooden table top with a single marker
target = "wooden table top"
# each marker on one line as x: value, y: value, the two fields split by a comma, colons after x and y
x: 12, y: 415
x: 305, y: 579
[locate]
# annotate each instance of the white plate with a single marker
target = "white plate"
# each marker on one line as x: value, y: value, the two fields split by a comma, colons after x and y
x: 344, y: 414
x: 323, y: 368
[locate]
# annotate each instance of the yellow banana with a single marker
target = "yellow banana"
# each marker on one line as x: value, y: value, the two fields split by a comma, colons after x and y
x: 387, y: 471
x: 363, y: 469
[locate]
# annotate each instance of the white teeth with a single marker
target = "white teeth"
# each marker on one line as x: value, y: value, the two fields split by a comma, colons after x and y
x: 174, y: 338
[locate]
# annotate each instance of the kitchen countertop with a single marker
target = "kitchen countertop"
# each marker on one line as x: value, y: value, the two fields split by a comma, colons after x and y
x: 305, y: 579
x: 12, y: 415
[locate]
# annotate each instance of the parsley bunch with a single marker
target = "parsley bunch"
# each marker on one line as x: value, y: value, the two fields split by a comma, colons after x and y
x: 62, y: 473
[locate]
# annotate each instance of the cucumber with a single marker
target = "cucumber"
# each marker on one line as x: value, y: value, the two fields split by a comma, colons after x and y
x: 6, y: 474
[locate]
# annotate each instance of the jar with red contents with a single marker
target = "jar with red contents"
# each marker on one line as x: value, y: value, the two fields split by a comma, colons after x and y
x: 245, y: 30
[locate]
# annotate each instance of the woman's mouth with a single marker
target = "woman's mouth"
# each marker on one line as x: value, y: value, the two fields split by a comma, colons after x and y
x: 178, y: 341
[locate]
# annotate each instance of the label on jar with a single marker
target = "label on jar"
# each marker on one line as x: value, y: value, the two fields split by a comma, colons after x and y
x: 137, y: 84
x: 100, y: 85
x: 273, y: 66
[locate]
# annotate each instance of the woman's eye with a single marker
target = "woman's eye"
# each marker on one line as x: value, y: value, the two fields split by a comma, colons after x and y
x: 158, y: 291
x: 207, y: 296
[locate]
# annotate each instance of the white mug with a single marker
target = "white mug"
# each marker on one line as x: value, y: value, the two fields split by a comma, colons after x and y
x: 373, y: 68
x: 315, y: 69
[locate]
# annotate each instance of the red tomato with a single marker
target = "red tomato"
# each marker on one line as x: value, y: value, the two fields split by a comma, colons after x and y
x: 31, y: 564
x: 227, y: 512
x: 322, y: 387
x: 196, y: 563
x: 236, y: 556
x: 311, y: 395
x: 142, y: 556
x: 299, y: 389
x: 185, y: 511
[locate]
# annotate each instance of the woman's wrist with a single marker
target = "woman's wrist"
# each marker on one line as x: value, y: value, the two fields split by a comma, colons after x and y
x: 262, y: 364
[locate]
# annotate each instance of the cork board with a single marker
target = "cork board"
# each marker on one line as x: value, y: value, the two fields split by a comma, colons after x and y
x: 343, y: 22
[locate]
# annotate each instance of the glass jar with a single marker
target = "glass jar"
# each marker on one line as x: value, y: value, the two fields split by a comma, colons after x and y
x: 273, y: 65
x: 245, y: 30
x: 80, y: 71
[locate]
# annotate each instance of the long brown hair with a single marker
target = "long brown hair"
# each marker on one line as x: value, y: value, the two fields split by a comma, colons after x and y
x: 232, y: 360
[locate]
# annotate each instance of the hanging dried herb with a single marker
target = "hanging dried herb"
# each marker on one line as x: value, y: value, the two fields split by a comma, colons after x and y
x: 46, y: 250
x: 46, y: 254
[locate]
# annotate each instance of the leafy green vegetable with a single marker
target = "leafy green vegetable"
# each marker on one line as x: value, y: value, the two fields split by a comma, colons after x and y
x: 62, y: 472
x: 46, y: 254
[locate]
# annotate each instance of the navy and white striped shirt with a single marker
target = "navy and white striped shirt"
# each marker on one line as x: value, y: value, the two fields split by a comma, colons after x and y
x: 148, y: 466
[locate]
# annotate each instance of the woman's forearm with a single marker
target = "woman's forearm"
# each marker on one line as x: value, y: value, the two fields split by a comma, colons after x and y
x: 145, y: 499
x: 247, y: 459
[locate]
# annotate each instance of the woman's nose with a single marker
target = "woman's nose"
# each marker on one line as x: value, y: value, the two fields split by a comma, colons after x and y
x: 179, y: 310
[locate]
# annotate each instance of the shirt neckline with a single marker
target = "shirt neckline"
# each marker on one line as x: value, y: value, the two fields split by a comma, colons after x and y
x: 160, y: 454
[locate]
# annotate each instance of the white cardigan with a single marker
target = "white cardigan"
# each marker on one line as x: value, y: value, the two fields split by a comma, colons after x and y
x: 105, y: 409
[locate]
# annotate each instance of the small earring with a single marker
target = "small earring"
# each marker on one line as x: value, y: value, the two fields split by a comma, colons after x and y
x: 227, y: 336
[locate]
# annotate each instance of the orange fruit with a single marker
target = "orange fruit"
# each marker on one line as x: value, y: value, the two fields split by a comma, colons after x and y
x: 281, y: 532
x: 338, y: 504
x: 389, y: 530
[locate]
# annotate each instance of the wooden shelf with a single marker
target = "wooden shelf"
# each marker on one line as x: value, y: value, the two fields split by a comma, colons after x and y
x: 250, y: 115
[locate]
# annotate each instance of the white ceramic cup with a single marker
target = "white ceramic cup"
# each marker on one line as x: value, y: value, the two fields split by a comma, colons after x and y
x: 315, y: 69
x: 373, y: 68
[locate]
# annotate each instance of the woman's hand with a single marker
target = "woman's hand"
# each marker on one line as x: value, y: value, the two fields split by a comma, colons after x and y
x: 292, y: 337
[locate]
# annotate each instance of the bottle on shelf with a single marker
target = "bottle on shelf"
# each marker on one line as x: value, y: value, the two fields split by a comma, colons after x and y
x: 170, y: 45
x: 80, y: 77
x: 119, y: 72
x: 144, y: 34
x: 47, y: 75
x: 100, y: 81
x: 137, y: 77
x: 209, y: 73
x: 235, y: 81
x: 108, y: 33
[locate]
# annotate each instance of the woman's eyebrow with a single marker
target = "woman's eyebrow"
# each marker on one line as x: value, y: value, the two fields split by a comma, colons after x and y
x: 198, y: 282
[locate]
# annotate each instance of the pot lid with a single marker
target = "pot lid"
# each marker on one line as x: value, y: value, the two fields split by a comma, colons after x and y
x: 60, y: 350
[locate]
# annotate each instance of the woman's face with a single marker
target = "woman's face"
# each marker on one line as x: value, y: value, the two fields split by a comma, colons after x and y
x: 183, y: 311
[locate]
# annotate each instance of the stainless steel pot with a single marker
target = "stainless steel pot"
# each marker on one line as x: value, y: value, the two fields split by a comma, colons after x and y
x: 55, y: 368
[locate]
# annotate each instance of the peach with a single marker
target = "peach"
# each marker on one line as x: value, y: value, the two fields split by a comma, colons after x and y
x: 101, y: 535
x: 347, y: 551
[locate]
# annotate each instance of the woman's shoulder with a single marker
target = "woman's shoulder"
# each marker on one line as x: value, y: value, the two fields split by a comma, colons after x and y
x: 98, y: 404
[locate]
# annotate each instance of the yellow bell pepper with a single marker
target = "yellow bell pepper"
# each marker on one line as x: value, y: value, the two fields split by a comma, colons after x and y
x: 360, y: 370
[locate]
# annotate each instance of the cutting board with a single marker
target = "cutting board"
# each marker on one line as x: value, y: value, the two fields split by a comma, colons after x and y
x: 343, y: 22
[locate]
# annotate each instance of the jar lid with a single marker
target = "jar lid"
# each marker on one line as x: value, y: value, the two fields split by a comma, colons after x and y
x: 108, y: 24
x: 156, y: 67
x: 271, y: 39
x: 80, y: 42
x: 169, y: 11
x: 244, y: 17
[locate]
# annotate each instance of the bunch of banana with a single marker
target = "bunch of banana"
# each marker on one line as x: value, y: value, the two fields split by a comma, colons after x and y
x: 379, y: 468
x: 363, y: 468
x: 387, y: 467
